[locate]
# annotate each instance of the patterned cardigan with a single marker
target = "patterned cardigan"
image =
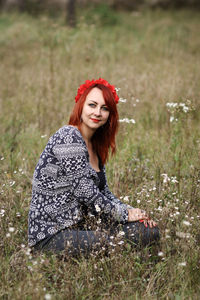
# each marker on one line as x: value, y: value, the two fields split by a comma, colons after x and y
x: 63, y: 184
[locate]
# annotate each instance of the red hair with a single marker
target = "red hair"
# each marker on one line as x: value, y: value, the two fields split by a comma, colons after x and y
x: 104, y: 137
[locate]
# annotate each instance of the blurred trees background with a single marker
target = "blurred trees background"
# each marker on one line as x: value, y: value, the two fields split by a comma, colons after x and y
x: 36, y: 6
x: 55, y: 7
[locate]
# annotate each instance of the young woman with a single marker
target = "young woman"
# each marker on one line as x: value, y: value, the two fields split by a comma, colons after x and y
x: 72, y: 207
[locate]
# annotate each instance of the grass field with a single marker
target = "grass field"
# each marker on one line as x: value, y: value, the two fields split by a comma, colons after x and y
x: 154, y: 58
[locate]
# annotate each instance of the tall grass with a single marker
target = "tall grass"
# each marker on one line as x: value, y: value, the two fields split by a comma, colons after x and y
x: 154, y: 58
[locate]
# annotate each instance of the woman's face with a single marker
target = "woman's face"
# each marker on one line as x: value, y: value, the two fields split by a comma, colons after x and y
x: 95, y: 113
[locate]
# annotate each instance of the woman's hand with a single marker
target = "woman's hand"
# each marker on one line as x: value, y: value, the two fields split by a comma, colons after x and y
x: 137, y: 214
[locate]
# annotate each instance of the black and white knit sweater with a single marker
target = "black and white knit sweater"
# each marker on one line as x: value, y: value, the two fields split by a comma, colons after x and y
x: 63, y: 184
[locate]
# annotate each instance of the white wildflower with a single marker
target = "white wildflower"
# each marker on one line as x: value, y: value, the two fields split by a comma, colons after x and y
x: 165, y: 178
x: 126, y: 199
x: 28, y: 251
x: 174, y: 180
x: 47, y: 297
x: 11, y: 229
x: 182, y: 264
x: 171, y: 105
x: 121, y: 233
x: 2, y: 212
x: 185, y: 109
x: 160, y: 253
x: 159, y: 208
x: 120, y: 242
x: 183, y: 235
x: 123, y: 100
x: 187, y: 223
x: 126, y: 120
x: 111, y: 244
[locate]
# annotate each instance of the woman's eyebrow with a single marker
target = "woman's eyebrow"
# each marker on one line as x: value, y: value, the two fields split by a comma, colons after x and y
x: 93, y: 101
x: 96, y: 102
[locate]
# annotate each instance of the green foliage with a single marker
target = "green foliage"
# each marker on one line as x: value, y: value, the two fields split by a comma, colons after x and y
x: 154, y: 58
x: 33, y: 7
x: 102, y: 14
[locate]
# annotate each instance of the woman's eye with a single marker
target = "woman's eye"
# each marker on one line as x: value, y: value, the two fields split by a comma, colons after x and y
x: 92, y: 105
x: 105, y: 108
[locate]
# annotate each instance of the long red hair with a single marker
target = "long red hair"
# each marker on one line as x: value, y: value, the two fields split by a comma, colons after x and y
x: 103, y: 139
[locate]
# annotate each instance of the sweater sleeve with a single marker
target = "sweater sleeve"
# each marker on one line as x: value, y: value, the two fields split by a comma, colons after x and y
x: 72, y: 155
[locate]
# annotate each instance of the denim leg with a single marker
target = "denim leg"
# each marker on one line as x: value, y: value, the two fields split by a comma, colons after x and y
x: 82, y: 242
x: 76, y: 242
x: 138, y: 234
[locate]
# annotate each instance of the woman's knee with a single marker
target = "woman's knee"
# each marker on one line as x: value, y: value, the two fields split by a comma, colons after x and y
x: 156, y: 233
x: 138, y: 233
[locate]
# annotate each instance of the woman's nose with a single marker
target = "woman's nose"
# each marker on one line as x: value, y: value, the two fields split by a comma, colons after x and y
x: 98, y: 111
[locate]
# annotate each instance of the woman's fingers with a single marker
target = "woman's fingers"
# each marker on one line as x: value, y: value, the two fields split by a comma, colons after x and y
x: 137, y: 214
x: 151, y: 223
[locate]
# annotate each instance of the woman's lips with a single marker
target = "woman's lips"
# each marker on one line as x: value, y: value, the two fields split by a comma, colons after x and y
x: 95, y: 120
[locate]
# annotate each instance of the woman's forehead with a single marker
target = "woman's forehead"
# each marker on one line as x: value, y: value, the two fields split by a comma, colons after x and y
x: 96, y: 95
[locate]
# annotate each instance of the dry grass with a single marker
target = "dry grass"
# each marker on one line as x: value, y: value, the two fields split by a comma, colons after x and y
x: 154, y: 58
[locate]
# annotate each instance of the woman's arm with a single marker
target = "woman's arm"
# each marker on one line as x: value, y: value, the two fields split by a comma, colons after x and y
x: 71, y: 152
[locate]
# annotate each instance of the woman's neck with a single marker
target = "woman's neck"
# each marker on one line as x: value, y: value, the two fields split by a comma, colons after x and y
x: 87, y: 134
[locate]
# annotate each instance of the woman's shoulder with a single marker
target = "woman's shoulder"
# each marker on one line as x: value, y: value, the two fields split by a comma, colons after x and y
x: 67, y: 133
x: 69, y: 130
x: 67, y: 139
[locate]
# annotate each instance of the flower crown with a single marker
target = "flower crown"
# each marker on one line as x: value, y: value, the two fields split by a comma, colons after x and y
x: 89, y: 83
